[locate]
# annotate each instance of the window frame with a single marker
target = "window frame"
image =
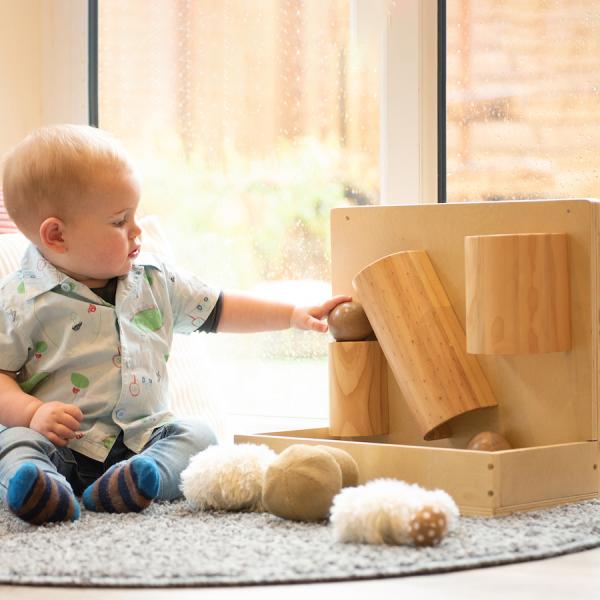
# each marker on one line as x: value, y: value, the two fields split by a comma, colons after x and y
x: 92, y: 20
x: 413, y: 104
x: 442, y: 171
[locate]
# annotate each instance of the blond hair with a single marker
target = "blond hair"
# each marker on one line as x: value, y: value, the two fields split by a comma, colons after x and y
x: 48, y: 173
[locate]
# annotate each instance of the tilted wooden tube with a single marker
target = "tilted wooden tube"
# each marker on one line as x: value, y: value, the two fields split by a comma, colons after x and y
x: 517, y: 293
x: 422, y: 339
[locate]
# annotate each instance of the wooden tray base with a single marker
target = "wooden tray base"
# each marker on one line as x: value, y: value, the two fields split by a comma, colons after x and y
x: 485, y: 484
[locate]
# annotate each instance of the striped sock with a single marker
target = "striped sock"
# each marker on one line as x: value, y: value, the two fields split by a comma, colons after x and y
x: 37, y: 498
x: 126, y: 487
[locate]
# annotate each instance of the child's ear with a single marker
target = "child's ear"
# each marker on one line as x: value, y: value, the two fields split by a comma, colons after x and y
x: 51, y: 235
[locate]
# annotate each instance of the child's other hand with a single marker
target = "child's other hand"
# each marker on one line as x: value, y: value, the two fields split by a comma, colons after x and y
x: 309, y: 317
x: 57, y: 421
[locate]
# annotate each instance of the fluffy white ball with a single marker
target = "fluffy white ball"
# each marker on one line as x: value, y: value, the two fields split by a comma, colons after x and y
x: 379, y: 512
x: 228, y: 477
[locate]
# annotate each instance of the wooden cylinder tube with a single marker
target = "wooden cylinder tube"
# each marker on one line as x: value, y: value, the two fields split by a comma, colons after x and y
x: 422, y: 339
x: 358, y: 403
x: 517, y: 293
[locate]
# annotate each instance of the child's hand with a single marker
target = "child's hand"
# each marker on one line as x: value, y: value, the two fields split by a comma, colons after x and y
x: 309, y: 317
x: 57, y: 421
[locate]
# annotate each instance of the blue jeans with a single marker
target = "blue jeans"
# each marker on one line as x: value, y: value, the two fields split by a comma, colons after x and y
x: 171, y: 446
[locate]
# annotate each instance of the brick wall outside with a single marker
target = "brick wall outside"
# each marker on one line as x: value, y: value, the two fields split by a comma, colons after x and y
x: 523, y: 90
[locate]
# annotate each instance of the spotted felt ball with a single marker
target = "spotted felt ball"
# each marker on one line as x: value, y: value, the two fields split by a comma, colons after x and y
x: 428, y: 526
x: 348, y: 322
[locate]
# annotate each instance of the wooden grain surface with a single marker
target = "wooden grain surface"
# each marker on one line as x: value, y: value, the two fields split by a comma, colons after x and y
x: 517, y: 293
x: 358, y: 393
x: 422, y: 339
x: 542, y: 398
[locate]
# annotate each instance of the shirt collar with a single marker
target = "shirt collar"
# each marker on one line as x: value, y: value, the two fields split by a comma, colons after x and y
x: 148, y: 259
x: 39, y: 276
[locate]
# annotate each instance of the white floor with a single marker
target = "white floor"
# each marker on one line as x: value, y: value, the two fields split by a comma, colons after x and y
x: 571, y: 577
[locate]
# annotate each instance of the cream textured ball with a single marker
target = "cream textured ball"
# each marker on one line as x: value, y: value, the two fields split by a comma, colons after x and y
x: 383, y: 511
x: 301, y: 483
x: 228, y: 477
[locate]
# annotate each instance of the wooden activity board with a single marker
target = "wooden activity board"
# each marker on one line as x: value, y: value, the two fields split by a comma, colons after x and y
x: 525, y: 346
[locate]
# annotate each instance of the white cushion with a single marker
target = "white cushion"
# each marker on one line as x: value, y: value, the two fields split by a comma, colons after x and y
x: 12, y: 247
x: 193, y: 393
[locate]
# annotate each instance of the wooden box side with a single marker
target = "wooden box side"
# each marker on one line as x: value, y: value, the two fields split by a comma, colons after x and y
x: 481, y: 483
x: 537, y: 477
x: 544, y: 399
x: 465, y: 475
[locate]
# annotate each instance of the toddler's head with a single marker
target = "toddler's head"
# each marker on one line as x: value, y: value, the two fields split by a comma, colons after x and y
x: 73, y: 191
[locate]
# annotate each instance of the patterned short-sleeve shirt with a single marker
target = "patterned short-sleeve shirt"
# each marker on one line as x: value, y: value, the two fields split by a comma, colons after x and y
x: 70, y: 345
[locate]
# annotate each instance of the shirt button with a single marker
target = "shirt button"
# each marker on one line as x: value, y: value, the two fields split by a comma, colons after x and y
x: 120, y: 414
x: 65, y: 286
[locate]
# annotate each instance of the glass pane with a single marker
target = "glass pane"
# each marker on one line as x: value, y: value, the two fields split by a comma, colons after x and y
x: 523, y: 93
x: 249, y: 122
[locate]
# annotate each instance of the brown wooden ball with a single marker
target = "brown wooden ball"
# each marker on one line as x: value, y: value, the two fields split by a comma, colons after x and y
x: 348, y: 322
x: 428, y: 526
x: 488, y: 441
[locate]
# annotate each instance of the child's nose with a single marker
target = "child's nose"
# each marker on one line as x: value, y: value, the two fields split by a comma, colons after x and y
x: 135, y: 231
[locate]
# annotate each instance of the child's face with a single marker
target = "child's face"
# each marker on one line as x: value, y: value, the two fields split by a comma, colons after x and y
x: 102, y: 240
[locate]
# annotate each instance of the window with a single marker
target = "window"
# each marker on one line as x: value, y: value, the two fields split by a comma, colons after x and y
x: 249, y: 121
x: 523, y: 99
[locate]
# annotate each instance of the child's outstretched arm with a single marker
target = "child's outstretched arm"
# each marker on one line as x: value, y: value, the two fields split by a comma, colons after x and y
x: 244, y: 313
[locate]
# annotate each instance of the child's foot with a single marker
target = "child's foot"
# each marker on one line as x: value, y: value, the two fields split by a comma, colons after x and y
x: 127, y: 487
x: 38, y: 498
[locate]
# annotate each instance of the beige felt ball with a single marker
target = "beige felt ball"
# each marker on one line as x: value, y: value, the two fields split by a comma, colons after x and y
x: 301, y: 482
x: 428, y: 526
x: 346, y: 463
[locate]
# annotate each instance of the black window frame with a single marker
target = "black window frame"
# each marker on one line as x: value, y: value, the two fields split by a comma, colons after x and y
x: 93, y: 62
x: 441, y: 102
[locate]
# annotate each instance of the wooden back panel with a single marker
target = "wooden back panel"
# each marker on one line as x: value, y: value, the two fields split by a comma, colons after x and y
x: 543, y: 398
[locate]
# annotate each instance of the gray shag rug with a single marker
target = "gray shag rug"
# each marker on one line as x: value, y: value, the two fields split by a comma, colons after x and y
x: 171, y: 545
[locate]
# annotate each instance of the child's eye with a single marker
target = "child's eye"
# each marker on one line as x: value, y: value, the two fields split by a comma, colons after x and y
x: 120, y: 223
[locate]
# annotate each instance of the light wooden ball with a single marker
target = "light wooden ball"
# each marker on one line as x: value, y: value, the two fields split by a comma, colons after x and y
x: 428, y: 526
x: 346, y: 463
x: 348, y: 323
x: 488, y: 441
x: 301, y: 482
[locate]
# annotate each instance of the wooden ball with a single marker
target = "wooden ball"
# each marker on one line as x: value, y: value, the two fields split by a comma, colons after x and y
x: 348, y: 322
x: 428, y: 526
x: 488, y: 441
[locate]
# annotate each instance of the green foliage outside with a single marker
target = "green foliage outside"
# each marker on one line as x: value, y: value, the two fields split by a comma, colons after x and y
x: 257, y: 220
x: 262, y: 219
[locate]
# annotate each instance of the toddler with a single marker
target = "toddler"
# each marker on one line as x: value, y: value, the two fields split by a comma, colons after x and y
x: 86, y: 326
